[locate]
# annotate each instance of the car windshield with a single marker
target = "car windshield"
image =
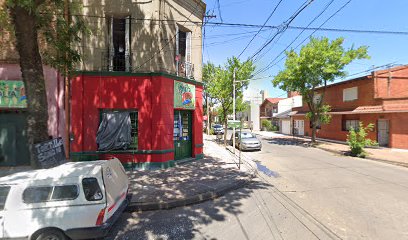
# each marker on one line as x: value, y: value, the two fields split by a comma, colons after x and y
x: 217, y: 126
x: 246, y: 135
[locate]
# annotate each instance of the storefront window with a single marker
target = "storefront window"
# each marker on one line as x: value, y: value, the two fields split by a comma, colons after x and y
x: 118, y: 130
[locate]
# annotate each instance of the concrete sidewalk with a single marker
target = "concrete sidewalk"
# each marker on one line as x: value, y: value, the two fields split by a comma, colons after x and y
x: 188, y: 183
x: 387, y: 155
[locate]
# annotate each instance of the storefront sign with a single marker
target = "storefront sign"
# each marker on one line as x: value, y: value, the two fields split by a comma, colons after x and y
x: 50, y: 153
x: 184, y: 95
x: 12, y: 94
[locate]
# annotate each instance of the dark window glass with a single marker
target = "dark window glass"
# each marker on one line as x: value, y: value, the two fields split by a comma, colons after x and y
x: 68, y: 192
x: 182, y: 43
x: 92, y: 190
x: 37, y: 194
x: 4, y: 191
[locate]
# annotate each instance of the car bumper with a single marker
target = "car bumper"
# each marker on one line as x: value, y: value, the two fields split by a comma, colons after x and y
x: 251, y: 147
x: 99, y: 231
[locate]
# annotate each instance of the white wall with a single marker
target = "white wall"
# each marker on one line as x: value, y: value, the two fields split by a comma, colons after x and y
x: 254, y: 116
x: 289, y: 103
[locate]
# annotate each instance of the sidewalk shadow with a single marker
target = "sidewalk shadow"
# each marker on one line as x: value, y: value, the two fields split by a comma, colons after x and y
x: 181, y: 223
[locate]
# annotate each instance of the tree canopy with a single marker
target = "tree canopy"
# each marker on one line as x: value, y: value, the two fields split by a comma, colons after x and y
x: 220, y: 85
x: 318, y: 63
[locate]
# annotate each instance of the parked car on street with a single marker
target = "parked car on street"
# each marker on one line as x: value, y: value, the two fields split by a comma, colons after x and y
x: 76, y: 200
x: 246, y: 141
x: 218, y: 129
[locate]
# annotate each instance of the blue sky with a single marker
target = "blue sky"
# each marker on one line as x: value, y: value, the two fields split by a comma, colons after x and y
x: 223, y: 42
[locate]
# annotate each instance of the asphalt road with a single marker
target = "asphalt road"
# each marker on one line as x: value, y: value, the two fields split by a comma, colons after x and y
x: 301, y: 193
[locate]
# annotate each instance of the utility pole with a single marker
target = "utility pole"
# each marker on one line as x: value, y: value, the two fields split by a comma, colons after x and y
x: 233, y: 111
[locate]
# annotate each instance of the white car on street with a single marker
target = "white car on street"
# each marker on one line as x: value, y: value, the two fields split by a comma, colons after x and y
x: 76, y: 200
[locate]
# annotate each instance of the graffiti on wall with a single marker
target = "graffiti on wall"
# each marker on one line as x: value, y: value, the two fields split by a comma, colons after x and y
x: 12, y: 94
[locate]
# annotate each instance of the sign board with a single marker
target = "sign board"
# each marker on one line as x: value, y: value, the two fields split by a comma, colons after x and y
x: 184, y: 95
x: 232, y: 123
x: 12, y: 94
x: 50, y: 153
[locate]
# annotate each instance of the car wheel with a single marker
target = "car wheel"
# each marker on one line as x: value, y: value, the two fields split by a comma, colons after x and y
x: 51, y: 234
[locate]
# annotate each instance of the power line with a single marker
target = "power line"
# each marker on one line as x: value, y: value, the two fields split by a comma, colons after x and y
x: 316, y: 29
x: 310, y: 23
x: 260, y: 28
x: 284, y: 26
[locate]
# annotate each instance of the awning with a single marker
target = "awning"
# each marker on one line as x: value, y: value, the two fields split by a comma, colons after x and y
x: 284, y: 114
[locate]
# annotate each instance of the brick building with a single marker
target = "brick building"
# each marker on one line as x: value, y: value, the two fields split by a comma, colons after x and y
x: 380, y: 98
x: 267, y: 109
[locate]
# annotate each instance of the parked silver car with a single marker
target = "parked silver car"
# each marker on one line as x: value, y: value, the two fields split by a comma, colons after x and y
x: 247, y: 140
x: 218, y: 129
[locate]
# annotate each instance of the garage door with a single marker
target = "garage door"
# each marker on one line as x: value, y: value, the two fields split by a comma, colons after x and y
x: 286, y: 126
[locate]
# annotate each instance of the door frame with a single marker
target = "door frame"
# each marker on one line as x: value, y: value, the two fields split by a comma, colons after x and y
x: 388, y: 132
x: 190, y: 127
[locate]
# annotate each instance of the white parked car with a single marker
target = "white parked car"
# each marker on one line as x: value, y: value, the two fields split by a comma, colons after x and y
x: 76, y: 200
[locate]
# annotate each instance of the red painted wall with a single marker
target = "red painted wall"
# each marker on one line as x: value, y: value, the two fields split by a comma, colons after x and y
x: 151, y: 96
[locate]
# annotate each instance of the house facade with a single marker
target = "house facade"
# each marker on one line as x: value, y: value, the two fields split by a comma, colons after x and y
x: 267, y: 109
x: 142, y: 68
x: 286, y: 126
x: 380, y: 98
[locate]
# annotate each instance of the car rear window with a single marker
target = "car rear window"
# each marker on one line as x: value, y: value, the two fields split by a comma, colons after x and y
x: 37, y: 194
x: 67, y: 192
x: 50, y: 193
x: 4, y: 191
x: 92, y: 189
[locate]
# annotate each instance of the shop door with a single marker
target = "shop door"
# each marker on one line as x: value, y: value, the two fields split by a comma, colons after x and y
x: 383, y: 132
x: 13, y: 141
x: 182, y: 134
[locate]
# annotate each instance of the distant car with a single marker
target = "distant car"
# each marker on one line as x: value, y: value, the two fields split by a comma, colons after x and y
x: 247, y: 141
x: 218, y: 129
x: 76, y: 200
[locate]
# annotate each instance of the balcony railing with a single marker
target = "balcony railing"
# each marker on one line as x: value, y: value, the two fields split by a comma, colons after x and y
x: 117, y: 62
x: 125, y: 63
x: 186, y: 69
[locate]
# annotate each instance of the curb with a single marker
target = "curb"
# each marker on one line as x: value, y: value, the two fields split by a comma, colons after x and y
x: 199, y: 198
x: 368, y: 158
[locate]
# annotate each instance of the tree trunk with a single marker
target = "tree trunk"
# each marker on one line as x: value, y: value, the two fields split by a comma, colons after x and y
x: 313, y: 120
x: 225, y: 131
x: 25, y: 26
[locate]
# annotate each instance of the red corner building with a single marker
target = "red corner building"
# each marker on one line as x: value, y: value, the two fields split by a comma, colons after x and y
x: 137, y: 95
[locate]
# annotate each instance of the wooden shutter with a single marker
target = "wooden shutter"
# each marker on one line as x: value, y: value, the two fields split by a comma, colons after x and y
x: 127, y: 44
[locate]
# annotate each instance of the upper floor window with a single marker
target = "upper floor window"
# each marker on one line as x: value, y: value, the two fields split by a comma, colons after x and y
x: 119, y: 44
x: 183, y: 53
x: 350, y: 94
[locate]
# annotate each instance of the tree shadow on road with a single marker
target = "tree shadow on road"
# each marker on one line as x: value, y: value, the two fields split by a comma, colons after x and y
x: 292, y: 141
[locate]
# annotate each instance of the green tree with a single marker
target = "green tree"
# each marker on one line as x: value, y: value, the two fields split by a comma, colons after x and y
x: 209, y: 78
x: 222, y: 88
x: 44, y: 32
x: 357, y: 140
x: 318, y: 63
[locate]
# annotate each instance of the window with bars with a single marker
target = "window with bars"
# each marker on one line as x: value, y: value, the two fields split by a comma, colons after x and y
x: 134, y: 129
x: 348, y: 124
x: 133, y: 122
